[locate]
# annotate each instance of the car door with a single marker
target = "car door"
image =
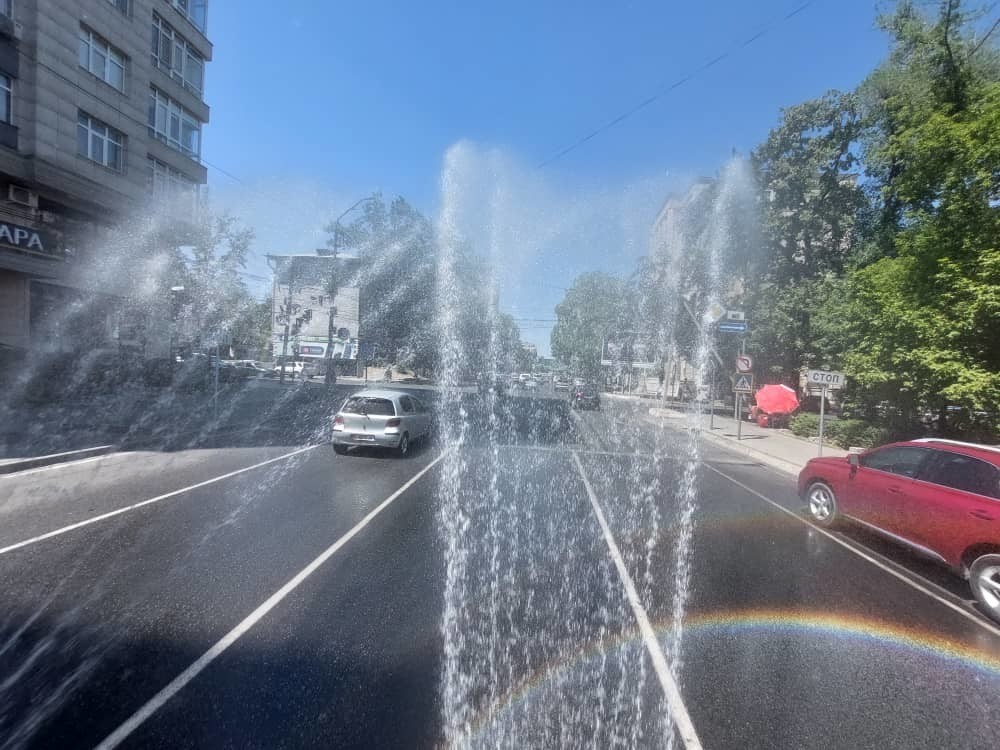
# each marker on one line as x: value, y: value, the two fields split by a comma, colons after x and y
x: 956, y: 505
x: 880, y: 488
x: 411, y: 421
x: 422, y: 415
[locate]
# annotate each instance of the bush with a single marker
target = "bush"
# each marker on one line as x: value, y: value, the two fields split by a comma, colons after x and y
x: 804, y: 425
x: 848, y: 433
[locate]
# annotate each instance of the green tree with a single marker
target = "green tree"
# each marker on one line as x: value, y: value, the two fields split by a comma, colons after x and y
x: 596, y: 304
x: 924, y: 322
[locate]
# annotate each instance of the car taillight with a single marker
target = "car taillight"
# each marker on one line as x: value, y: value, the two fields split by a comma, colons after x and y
x: 394, y: 422
x: 338, y: 419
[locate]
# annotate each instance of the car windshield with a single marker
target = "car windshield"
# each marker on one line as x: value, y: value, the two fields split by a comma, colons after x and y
x: 512, y: 374
x: 374, y: 407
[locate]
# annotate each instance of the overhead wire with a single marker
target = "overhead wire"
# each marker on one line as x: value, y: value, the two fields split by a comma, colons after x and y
x: 676, y: 84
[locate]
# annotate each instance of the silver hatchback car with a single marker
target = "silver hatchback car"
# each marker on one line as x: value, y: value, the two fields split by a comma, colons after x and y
x: 383, y: 418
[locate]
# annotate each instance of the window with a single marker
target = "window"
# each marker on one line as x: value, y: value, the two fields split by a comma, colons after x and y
x: 6, y: 98
x: 100, y: 142
x: 101, y: 59
x: 195, y: 11
x: 903, y: 460
x: 404, y: 401
x: 172, y: 185
x: 375, y: 407
x: 173, y: 124
x: 174, y: 56
x: 963, y: 473
x: 122, y: 5
x: 6, y: 7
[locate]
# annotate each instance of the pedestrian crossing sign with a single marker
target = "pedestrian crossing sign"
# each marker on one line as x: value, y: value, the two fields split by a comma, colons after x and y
x: 743, y: 382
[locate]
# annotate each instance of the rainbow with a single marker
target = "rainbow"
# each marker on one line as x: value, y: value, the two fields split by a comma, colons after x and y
x: 757, y: 621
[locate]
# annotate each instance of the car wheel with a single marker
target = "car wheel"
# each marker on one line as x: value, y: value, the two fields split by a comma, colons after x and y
x: 340, y: 450
x: 984, y: 577
x: 821, y: 504
x: 404, y: 445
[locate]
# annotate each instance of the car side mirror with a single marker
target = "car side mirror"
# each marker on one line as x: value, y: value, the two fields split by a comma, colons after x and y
x: 854, y: 460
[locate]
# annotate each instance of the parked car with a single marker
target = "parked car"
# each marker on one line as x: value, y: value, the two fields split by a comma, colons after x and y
x: 383, y: 418
x: 292, y: 369
x: 585, y: 397
x: 530, y: 384
x: 316, y: 368
x: 561, y: 383
x: 941, y: 498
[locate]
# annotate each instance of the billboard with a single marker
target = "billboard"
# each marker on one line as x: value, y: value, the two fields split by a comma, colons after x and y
x: 300, y: 302
x: 627, y: 350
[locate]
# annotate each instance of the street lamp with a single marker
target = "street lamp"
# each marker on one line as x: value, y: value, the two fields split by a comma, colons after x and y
x: 329, y: 376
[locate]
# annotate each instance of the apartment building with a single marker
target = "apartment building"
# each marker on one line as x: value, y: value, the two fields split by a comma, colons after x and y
x: 101, y: 115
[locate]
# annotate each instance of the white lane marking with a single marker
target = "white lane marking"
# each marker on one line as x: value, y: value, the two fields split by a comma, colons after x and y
x: 150, y: 501
x: 178, y: 683
x: 39, y: 469
x: 973, y: 617
x: 672, y: 691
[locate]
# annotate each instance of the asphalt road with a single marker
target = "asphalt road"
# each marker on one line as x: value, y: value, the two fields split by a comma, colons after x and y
x: 246, y: 587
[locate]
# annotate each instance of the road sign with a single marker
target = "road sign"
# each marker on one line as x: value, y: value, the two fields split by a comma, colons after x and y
x: 714, y: 312
x: 735, y: 315
x: 824, y: 378
x: 742, y: 382
x: 744, y: 363
x: 732, y: 326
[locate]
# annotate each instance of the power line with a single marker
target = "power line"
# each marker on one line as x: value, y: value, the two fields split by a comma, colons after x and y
x: 676, y: 84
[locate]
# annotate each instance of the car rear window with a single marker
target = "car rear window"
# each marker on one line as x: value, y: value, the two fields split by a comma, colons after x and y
x: 374, y: 407
x: 964, y: 473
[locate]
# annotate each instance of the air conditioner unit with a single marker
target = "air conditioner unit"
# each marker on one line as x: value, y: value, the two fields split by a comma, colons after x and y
x: 22, y: 196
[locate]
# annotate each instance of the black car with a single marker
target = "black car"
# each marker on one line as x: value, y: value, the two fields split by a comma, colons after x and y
x: 585, y: 397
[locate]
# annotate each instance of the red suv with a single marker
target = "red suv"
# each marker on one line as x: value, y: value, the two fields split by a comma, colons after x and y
x: 939, y: 497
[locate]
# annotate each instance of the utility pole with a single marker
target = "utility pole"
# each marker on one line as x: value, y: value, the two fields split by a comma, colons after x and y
x: 330, y: 376
x: 288, y: 322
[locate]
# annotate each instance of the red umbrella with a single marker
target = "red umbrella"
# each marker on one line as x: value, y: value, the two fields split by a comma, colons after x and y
x: 777, y: 399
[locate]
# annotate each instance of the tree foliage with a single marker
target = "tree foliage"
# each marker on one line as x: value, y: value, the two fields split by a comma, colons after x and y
x: 595, y: 305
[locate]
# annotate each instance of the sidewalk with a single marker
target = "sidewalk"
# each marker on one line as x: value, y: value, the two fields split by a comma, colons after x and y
x: 777, y: 448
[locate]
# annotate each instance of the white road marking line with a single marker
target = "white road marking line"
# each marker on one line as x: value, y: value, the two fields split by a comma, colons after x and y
x: 672, y: 691
x: 971, y: 616
x: 50, y: 467
x: 178, y: 683
x: 150, y: 501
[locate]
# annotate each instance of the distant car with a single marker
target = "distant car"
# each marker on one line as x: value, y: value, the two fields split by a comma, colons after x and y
x: 492, y: 384
x: 530, y: 384
x: 585, y: 397
x: 579, y: 382
x: 940, y: 498
x: 317, y: 369
x: 292, y: 369
x: 383, y: 418
x: 561, y: 383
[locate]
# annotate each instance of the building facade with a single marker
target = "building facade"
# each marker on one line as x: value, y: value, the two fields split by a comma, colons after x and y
x: 300, y: 314
x: 101, y: 115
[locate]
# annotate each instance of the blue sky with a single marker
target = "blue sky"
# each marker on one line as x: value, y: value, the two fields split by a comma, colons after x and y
x: 315, y: 104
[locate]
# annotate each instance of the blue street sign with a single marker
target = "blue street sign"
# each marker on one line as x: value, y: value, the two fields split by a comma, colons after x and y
x: 732, y: 326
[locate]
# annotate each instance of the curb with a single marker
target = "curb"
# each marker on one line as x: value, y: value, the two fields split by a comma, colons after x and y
x: 786, y: 467
x: 20, y: 464
x: 774, y: 462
